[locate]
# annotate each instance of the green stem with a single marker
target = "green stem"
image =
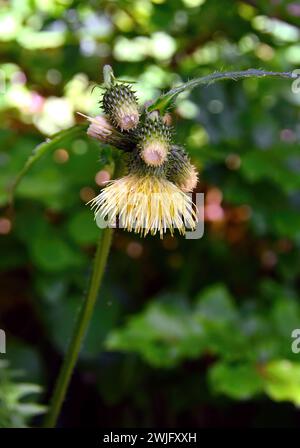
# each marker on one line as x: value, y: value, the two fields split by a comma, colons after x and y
x: 163, y: 102
x: 80, y: 329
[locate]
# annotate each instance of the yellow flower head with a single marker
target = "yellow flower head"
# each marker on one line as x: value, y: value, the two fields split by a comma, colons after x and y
x: 145, y: 204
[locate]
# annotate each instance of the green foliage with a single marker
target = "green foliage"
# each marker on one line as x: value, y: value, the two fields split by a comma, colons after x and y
x: 283, y: 382
x: 242, y: 342
x: 15, y: 408
x: 163, y: 335
x: 240, y: 382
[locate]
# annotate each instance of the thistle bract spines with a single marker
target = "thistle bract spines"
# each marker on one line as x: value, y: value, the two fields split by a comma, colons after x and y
x: 179, y: 169
x: 120, y: 104
x: 154, y: 140
x: 136, y: 164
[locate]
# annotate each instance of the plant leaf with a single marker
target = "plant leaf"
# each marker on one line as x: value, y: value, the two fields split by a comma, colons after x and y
x: 282, y: 380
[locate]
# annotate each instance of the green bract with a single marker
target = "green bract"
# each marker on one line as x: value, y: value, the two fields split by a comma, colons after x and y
x: 120, y: 104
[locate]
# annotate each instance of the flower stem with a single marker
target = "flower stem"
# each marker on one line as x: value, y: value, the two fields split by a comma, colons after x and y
x: 80, y: 329
x: 164, y: 101
x: 234, y: 76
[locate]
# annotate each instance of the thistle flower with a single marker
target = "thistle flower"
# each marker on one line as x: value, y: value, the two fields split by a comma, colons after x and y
x: 101, y: 129
x: 154, y: 140
x: 120, y: 104
x: 180, y: 170
x: 145, y: 202
x: 152, y: 197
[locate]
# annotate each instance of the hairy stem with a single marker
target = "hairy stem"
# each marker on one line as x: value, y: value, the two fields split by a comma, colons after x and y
x: 80, y: 329
x: 164, y: 100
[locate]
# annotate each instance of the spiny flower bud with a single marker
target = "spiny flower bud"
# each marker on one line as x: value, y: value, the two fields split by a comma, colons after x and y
x: 101, y: 129
x: 120, y: 104
x: 154, y: 140
x: 135, y: 164
x: 180, y: 171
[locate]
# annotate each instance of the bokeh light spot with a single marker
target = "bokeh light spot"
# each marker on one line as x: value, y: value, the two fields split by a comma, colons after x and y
x: 233, y: 161
x: 215, y: 106
x: 61, y: 156
x: 5, y: 226
x: 102, y: 177
x: 134, y: 249
x: 87, y: 194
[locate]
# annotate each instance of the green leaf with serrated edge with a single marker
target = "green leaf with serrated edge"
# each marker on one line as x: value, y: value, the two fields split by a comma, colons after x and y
x: 40, y: 150
x: 164, y: 101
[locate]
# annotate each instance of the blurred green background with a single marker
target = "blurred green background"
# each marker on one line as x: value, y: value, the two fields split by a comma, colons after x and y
x: 185, y: 332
